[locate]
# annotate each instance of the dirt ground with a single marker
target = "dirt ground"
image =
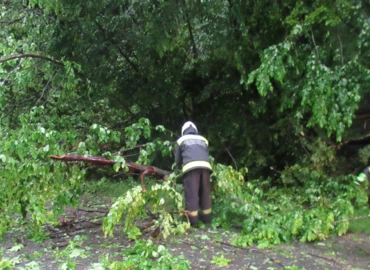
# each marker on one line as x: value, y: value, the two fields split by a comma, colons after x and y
x: 200, y: 247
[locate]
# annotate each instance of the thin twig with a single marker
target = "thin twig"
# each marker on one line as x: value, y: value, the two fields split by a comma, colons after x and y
x: 184, y: 212
x: 251, y: 249
x: 322, y: 257
x: 231, y: 245
x: 132, y: 148
x: 350, y: 219
x: 95, y: 195
x: 94, y: 210
x: 314, y: 43
x: 47, y: 84
x: 341, y: 49
x: 52, y: 92
x: 191, y: 244
x: 236, y: 166
x: 304, y: 148
x: 60, y: 245
x: 15, y: 106
x: 7, y: 76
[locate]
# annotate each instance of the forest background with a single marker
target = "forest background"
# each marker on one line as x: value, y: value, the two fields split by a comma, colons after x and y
x: 279, y: 88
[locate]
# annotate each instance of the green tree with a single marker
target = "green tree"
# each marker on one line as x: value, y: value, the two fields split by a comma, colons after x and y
x: 274, y: 85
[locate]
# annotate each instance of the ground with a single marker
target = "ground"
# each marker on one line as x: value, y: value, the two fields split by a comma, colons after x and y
x: 205, y: 248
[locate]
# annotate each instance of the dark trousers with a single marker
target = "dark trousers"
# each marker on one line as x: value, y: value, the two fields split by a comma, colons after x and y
x: 197, y: 187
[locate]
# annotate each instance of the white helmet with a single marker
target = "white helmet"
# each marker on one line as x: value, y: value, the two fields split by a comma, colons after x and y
x: 186, y: 125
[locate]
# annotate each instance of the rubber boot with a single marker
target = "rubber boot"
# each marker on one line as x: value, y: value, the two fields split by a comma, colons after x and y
x: 206, y: 219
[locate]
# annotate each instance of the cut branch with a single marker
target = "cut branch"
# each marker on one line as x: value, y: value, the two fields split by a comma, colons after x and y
x: 30, y: 55
x: 87, y: 159
x: 133, y: 167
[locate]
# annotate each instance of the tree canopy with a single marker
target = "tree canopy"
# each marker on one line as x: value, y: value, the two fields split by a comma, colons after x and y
x: 274, y: 86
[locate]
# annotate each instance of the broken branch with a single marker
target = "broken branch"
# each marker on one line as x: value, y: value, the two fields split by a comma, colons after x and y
x: 143, y: 170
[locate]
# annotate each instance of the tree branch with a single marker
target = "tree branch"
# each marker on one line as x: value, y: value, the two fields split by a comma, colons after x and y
x: 11, y: 22
x: 30, y: 55
x: 194, y: 49
x: 112, y: 41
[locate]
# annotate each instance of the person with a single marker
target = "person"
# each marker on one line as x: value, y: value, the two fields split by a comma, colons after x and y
x: 192, y: 155
x: 363, y: 176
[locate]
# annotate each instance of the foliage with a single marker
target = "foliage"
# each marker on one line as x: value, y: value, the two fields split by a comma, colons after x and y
x: 306, y: 208
x: 6, y: 264
x: 220, y: 261
x: 150, y: 256
x: 256, y: 67
x: 364, y: 155
x: 270, y: 215
x: 31, y: 182
x: 311, y: 206
x: 162, y: 199
x: 71, y: 252
x: 273, y: 86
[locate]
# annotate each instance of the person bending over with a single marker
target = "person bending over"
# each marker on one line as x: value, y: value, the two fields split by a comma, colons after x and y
x: 192, y: 156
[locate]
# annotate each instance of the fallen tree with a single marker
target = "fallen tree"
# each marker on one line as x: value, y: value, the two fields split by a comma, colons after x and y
x: 143, y: 170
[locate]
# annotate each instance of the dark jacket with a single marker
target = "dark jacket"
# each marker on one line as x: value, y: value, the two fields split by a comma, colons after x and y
x: 192, y: 151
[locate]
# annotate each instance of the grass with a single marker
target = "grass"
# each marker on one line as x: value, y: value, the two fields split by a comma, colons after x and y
x: 112, y: 189
x: 360, y: 225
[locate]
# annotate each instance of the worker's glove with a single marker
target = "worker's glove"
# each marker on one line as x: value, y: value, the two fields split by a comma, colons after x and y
x: 361, y: 178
